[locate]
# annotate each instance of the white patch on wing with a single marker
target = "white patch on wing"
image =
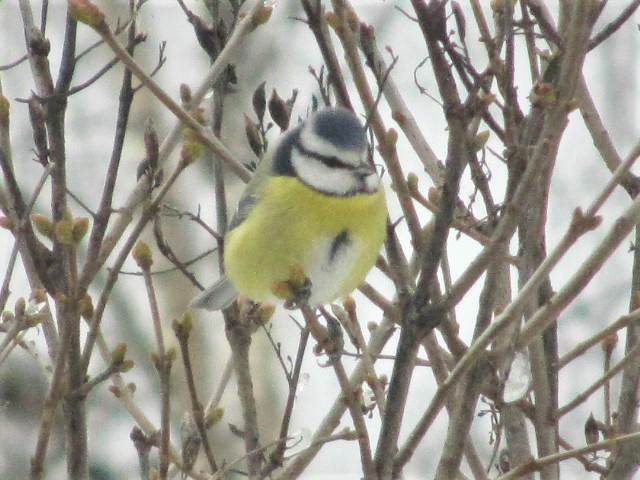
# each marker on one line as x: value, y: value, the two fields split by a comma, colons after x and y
x: 328, y: 277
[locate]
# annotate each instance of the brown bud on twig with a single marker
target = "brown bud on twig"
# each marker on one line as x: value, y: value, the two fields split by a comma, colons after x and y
x: 151, y: 145
x: 591, y: 431
x: 185, y: 94
x: 261, y: 17
x: 253, y: 136
x: 20, y: 307
x: 118, y: 353
x: 85, y: 306
x: 6, y: 223
x: 609, y: 342
x: 543, y: 94
x: 279, y: 111
x: 36, y: 117
x: 259, y: 101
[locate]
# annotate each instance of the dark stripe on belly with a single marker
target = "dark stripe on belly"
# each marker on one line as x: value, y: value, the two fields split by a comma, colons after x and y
x: 340, y: 241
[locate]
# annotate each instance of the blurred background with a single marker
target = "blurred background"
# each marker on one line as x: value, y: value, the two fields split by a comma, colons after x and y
x: 281, y: 54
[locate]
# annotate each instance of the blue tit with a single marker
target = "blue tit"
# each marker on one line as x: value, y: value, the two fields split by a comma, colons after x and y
x: 315, y: 206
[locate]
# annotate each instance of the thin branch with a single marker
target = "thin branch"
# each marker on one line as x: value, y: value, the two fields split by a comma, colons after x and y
x: 535, y: 465
x: 582, y: 347
x: 238, y: 332
x: 614, y: 237
x: 146, y: 216
x: 595, y: 386
x: 162, y: 362
x: 103, y: 249
x: 182, y: 329
x: 315, y: 19
x: 614, y: 25
x: 187, y: 119
x: 329, y: 423
x: 13, y: 64
x: 350, y: 396
x: 276, y: 457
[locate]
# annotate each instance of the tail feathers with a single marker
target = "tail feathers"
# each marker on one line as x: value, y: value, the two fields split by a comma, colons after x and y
x: 217, y: 297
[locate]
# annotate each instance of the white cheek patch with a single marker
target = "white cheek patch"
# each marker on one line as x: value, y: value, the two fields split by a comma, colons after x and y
x: 372, y: 183
x: 333, y: 181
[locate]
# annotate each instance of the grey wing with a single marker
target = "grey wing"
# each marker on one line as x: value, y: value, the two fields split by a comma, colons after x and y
x: 222, y: 293
x: 218, y: 296
x: 253, y: 192
x: 244, y: 209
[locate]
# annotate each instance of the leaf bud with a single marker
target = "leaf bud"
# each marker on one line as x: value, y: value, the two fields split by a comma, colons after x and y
x: 118, y: 353
x: 332, y: 20
x: 253, y: 136
x: 214, y: 416
x: 4, y: 112
x: 182, y: 326
x: 20, y: 307
x: 64, y: 232
x: 85, y: 306
x: 43, y: 225
x: 259, y: 101
x: 609, y: 342
x: 279, y: 111
x: 591, y: 431
x: 480, y: 140
x: 6, y: 223
x: 79, y: 228
x: 126, y: 365
x: 261, y: 17
x: 434, y: 195
x: 142, y: 255
x: 391, y: 137
x: 412, y: 182
x: 185, y: 94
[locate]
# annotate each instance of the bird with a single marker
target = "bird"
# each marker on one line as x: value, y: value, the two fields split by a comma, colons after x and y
x: 310, y: 223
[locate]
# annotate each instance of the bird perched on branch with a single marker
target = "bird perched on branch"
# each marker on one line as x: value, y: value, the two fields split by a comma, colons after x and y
x: 310, y: 223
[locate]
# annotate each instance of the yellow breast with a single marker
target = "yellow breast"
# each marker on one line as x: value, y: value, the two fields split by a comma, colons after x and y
x: 293, y: 225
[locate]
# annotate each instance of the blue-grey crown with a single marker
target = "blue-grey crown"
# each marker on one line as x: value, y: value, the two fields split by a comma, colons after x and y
x: 340, y: 127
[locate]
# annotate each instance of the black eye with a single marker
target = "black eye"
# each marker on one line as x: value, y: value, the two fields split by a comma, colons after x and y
x: 333, y: 162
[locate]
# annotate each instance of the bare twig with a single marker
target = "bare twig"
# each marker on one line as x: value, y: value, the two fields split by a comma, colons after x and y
x: 536, y: 464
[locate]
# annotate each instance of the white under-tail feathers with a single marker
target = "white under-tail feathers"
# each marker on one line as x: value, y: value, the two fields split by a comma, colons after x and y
x: 217, y: 297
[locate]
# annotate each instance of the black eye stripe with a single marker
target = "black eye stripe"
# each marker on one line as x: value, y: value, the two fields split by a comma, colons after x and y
x: 334, y: 162
x: 328, y: 160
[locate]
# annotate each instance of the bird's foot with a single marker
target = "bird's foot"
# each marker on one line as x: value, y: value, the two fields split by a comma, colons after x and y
x: 295, y: 291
